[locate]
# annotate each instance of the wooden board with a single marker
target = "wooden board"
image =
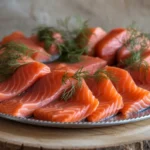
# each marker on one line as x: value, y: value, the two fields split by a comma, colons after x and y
x: 17, y: 135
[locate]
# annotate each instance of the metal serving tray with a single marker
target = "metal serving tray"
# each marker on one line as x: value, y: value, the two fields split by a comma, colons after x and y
x: 115, y: 120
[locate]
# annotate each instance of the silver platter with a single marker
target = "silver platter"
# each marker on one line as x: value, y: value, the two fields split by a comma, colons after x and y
x: 115, y: 120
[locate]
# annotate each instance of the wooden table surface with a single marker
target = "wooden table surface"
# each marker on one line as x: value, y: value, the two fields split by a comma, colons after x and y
x: 15, y: 135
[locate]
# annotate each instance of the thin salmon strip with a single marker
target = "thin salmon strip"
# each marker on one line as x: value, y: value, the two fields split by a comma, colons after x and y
x: 44, y: 91
x: 23, y: 78
x: 77, y: 108
x: 94, y: 35
x: 108, y: 46
x: 135, y: 98
x: 110, y: 101
x: 90, y: 64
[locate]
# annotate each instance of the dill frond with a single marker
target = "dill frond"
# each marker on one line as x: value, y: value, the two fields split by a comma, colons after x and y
x: 69, y: 28
x: 67, y: 94
x: 101, y: 74
x: 45, y: 34
x: 78, y: 76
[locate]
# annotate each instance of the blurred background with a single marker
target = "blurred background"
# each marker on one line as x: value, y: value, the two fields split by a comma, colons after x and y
x: 27, y: 14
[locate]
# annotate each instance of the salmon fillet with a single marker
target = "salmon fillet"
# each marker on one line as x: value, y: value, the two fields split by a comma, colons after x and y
x: 110, y: 101
x: 22, y: 78
x: 44, y: 91
x: 135, y: 98
x: 108, y: 46
x: 81, y: 105
x: 88, y: 63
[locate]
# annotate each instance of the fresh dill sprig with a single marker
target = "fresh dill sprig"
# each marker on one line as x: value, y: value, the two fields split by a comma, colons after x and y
x: 136, y: 37
x: 45, y: 34
x: 78, y: 76
x: 70, y: 29
x: 11, y: 54
x: 67, y: 94
x: 65, y: 77
x: 71, y: 50
x: 101, y: 74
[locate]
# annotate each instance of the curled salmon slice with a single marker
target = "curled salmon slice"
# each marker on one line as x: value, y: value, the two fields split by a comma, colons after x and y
x: 77, y: 108
x: 110, y: 101
x: 22, y: 78
x: 135, y: 98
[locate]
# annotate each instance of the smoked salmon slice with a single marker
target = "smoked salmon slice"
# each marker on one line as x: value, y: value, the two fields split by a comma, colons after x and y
x: 22, y: 78
x: 135, y: 98
x: 77, y: 108
x: 91, y: 38
x: 44, y: 91
x: 90, y: 64
x: 110, y: 101
x: 108, y: 46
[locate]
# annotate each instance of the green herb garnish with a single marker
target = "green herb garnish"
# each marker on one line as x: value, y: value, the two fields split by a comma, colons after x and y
x: 45, y: 34
x: 101, y: 74
x: 70, y: 29
x: 71, y: 50
x: 78, y: 75
x: 67, y: 94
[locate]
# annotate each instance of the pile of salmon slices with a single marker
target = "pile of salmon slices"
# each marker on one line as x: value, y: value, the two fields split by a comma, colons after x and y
x: 57, y: 76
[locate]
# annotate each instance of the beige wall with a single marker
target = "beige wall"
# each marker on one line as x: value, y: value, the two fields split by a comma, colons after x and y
x: 26, y: 14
